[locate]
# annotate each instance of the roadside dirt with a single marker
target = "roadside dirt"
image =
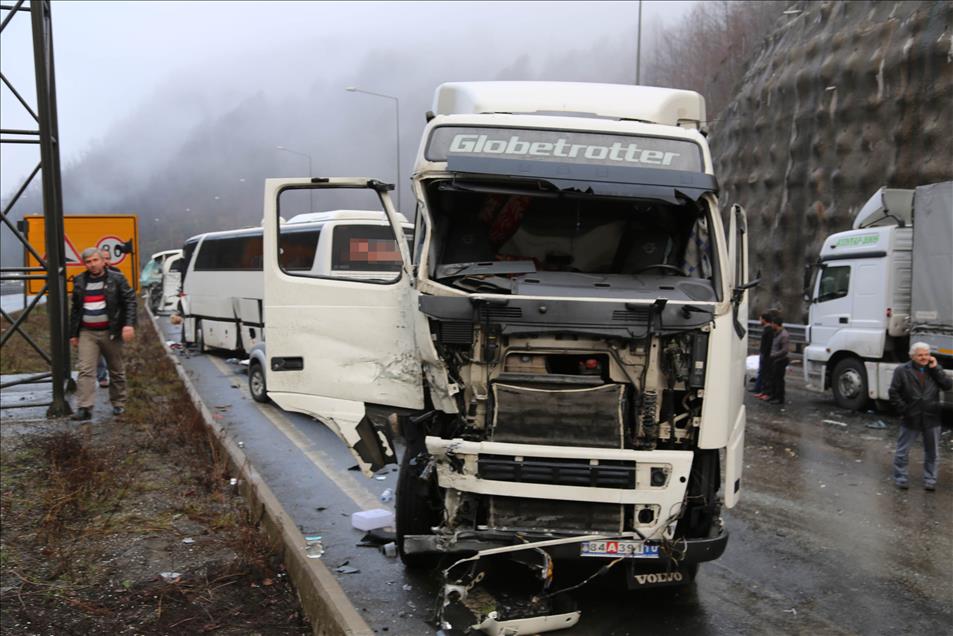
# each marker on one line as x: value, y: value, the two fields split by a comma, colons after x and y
x: 130, y: 524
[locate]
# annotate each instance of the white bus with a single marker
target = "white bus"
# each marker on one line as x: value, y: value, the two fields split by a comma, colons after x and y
x: 222, y: 282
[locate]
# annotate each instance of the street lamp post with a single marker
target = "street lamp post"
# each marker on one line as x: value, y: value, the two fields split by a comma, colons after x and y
x: 354, y: 89
x: 310, y: 172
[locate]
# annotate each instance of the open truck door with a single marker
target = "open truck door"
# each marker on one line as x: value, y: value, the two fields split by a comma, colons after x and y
x: 339, y: 346
x: 740, y: 284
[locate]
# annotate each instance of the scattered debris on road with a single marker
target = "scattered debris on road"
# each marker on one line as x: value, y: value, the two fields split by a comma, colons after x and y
x: 372, y: 519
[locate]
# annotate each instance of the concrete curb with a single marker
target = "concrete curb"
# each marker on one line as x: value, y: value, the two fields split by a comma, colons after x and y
x: 322, y: 599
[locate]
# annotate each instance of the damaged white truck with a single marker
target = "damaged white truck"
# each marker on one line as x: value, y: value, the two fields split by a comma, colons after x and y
x: 563, y: 343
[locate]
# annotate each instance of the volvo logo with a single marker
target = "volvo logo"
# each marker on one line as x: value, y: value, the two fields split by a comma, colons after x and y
x: 655, y: 578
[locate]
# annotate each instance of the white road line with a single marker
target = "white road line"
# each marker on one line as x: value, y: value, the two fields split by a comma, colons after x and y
x: 363, y: 498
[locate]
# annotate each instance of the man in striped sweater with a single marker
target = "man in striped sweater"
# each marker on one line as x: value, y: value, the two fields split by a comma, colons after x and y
x: 102, y: 318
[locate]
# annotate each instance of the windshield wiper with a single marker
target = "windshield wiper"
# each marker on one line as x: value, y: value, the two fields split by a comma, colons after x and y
x: 485, y: 267
x: 481, y: 284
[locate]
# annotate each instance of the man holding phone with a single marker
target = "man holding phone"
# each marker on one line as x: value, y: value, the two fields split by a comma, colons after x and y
x: 915, y: 393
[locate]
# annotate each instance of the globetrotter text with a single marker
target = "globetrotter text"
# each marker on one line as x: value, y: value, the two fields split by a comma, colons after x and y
x: 618, y: 151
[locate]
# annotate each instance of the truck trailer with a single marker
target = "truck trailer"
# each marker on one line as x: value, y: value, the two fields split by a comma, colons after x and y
x: 879, y: 287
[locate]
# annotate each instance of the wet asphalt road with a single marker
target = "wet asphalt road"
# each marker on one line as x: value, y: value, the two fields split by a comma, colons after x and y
x: 821, y: 542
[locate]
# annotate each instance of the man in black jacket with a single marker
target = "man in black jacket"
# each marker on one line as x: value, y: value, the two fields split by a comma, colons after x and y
x: 915, y: 393
x: 762, y: 387
x: 102, y: 317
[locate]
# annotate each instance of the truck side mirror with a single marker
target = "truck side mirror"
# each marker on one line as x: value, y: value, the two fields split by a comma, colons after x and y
x: 737, y: 291
x: 806, y: 283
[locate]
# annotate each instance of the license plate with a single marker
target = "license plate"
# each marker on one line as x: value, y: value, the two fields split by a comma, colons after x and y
x: 616, y: 549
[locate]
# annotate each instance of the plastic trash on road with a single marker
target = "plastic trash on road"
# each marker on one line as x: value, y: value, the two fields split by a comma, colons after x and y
x: 372, y: 519
x: 877, y: 424
x: 387, y: 495
x: 535, y: 625
x: 313, y: 547
x: 751, y: 369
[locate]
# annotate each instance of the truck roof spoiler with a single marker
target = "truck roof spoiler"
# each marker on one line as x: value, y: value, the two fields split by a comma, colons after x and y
x: 888, y: 206
x: 665, y: 106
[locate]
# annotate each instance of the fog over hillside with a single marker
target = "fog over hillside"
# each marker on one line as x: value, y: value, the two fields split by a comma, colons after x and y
x: 192, y: 155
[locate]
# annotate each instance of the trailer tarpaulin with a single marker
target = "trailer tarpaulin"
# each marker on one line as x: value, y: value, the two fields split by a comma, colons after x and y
x: 932, y: 301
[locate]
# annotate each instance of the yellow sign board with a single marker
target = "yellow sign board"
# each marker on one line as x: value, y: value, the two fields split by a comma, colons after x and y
x: 118, y: 234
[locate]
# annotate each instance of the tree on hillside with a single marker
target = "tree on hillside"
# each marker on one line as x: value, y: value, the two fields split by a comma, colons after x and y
x: 708, y: 49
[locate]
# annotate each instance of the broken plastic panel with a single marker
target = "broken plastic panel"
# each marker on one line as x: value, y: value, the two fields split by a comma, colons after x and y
x: 504, y: 594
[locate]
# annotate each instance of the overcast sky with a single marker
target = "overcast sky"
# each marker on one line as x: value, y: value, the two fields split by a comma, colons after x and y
x: 112, y: 58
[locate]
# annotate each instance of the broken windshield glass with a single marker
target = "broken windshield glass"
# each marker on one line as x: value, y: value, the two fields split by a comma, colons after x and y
x: 510, y: 228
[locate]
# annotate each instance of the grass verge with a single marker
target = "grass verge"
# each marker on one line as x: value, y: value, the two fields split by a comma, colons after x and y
x: 131, y: 523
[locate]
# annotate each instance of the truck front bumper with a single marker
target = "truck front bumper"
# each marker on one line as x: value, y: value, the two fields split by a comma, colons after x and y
x: 676, y: 551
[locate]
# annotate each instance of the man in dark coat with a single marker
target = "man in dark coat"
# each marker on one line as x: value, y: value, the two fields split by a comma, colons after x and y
x: 102, y: 317
x: 779, y: 357
x: 915, y: 393
x: 762, y: 387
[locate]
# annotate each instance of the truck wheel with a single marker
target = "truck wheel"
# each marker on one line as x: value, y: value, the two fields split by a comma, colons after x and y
x: 415, y: 510
x: 849, y: 383
x: 256, y: 382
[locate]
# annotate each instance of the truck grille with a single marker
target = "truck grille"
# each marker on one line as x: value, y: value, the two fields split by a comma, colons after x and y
x: 454, y: 332
x: 558, y: 472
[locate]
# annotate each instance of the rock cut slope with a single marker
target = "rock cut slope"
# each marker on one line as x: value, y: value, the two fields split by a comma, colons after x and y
x: 843, y: 97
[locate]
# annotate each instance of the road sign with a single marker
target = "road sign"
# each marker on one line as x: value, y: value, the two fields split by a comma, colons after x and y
x: 116, y: 233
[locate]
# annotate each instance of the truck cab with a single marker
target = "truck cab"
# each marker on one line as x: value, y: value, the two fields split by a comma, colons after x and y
x: 860, y: 310
x: 563, y: 348
x: 877, y: 288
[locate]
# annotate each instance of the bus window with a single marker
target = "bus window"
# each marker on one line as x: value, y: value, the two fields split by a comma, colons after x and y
x: 364, y: 248
x: 296, y: 249
x: 243, y: 253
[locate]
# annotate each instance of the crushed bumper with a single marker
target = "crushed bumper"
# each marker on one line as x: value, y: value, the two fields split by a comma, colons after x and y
x: 681, y: 551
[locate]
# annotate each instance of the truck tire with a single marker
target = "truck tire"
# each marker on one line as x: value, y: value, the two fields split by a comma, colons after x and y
x: 415, y: 509
x: 849, y: 384
x: 256, y: 382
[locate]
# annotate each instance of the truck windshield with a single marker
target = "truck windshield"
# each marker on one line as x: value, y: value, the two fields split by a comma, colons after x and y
x: 510, y: 228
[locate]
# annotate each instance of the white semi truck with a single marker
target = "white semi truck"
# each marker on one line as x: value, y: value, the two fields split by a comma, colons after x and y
x: 564, y: 343
x: 877, y: 288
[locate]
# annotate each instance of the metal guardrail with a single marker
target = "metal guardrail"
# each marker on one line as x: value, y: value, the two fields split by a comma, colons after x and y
x: 798, y: 333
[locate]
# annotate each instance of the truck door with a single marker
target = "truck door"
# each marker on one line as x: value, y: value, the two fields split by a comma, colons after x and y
x: 738, y: 259
x: 336, y: 344
x: 171, y: 282
x: 831, y: 310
